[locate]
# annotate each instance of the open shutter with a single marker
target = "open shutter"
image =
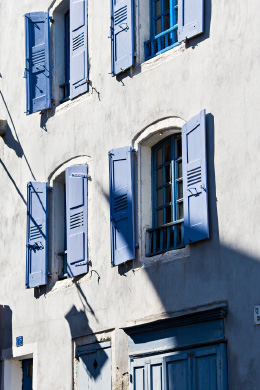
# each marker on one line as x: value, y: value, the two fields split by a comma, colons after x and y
x: 77, y: 219
x: 121, y: 205
x: 195, y: 191
x: 36, y: 243
x: 78, y: 47
x: 121, y: 35
x: 37, y: 62
x: 190, y: 18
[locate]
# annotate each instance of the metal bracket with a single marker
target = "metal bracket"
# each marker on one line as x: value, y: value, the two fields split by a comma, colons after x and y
x: 81, y: 175
x: 36, y: 246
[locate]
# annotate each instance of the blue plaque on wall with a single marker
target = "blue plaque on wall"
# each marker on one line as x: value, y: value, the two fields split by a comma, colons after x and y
x: 19, y: 341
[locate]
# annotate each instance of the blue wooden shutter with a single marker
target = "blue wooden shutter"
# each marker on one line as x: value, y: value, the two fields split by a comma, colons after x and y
x: 37, y: 62
x: 195, y: 191
x: 94, y: 366
x: 78, y: 47
x: 210, y: 368
x: 122, y: 41
x: 190, y: 18
x: 155, y: 373
x: 177, y: 372
x: 36, y: 242
x: 121, y: 205
x: 138, y: 379
x: 77, y: 219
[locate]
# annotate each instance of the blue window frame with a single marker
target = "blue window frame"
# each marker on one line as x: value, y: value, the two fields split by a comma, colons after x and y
x: 167, y: 192
x: 66, y: 84
x: 164, y: 27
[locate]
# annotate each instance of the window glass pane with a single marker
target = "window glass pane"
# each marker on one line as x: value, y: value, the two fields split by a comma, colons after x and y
x: 159, y: 197
x: 157, y: 8
x: 166, y: 22
x: 158, y: 26
x: 179, y: 190
x: 168, y: 214
x: 159, y: 217
x: 166, y: 5
x: 167, y: 173
x: 180, y: 210
x: 159, y: 177
x: 178, y: 147
x: 179, y: 170
x: 168, y: 194
x: 167, y: 152
x: 159, y: 157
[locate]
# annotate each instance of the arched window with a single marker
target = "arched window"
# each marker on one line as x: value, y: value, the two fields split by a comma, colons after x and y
x: 167, y: 196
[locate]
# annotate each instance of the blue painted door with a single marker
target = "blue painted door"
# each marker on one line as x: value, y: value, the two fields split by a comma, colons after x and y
x: 27, y: 374
x: 94, y: 367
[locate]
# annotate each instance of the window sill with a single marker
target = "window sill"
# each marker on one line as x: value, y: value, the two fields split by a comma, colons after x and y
x: 165, y: 257
x: 161, y: 58
x: 71, y: 103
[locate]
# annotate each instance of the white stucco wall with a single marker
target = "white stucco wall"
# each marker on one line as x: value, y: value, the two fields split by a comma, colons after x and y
x: 218, y: 71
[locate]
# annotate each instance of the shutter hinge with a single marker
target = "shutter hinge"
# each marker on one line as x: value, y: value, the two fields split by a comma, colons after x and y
x: 49, y: 274
x: 88, y: 262
x: 135, y: 54
x: 49, y: 188
x: 81, y: 175
x: 51, y: 19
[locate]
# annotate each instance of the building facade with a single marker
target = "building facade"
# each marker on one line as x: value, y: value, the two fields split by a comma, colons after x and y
x: 129, y: 243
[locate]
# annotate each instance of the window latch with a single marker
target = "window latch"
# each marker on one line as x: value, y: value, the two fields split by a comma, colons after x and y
x: 81, y: 175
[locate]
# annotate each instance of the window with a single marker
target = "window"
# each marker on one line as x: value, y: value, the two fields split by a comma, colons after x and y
x: 164, y: 27
x: 69, y: 217
x: 172, y: 22
x: 167, y: 192
x: 65, y: 46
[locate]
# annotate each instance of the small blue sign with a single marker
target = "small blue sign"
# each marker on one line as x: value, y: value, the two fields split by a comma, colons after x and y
x: 19, y: 341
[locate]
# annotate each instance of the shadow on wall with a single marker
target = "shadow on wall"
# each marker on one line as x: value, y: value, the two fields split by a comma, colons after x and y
x: 79, y: 326
x: 14, y: 142
x: 5, y: 334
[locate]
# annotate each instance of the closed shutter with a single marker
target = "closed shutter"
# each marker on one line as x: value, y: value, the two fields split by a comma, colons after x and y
x: 78, y: 47
x: 155, y: 373
x: 138, y: 378
x: 210, y: 368
x: 36, y: 243
x: 122, y: 41
x: 121, y: 205
x: 177, y: 372
x: 94, y: 367
x: 195, y: 190
x: 190, y: 18
x: 77, y: 219
x: 37, y: 62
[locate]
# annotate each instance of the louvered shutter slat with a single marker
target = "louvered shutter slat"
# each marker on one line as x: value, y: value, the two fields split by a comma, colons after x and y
x: 36, y: 243
x: 195, y: 191
x: 37, y: 62
x: 77, y: 219
x: 78, y: 48
x: 121, y: 205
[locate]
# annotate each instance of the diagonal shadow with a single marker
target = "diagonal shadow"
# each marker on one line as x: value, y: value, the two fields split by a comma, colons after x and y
x: 19, y: 150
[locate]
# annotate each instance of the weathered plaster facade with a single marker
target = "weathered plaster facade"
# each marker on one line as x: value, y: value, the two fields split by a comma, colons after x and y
x: 218, y: 71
